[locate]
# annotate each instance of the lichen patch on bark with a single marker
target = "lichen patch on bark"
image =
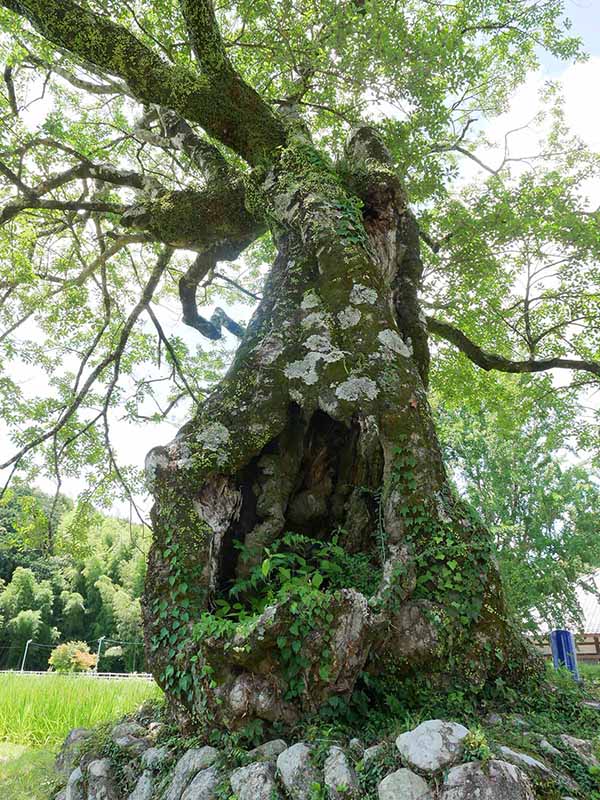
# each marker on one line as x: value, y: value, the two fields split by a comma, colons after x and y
x: 320, y: 429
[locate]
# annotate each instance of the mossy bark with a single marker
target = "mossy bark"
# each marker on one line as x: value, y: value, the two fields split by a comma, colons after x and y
x: 322, y: 425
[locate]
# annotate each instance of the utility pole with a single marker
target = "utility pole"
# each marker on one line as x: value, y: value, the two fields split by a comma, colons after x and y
x: 29, y: 641
x: 100, y: 640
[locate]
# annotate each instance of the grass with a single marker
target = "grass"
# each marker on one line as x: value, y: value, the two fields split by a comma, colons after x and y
x: 25, y: 773
x: 590, y: 674
x: 39, y: 710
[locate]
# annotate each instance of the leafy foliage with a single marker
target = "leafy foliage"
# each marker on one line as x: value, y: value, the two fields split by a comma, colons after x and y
x: 429, y: 76
x: 512, y: 454
x: 72, y: 657
x: 90, y: 590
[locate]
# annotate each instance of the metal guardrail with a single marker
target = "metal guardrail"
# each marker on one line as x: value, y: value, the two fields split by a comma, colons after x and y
x: 104, y: 675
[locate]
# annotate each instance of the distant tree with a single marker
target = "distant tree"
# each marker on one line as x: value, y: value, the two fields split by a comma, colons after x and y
x: 72, y: 614
x: 72, y: 657
x: 90, y: 590
x: 542, y: 508
x: 26, y: 608
x: 126, y: 615
x: 29, y: 520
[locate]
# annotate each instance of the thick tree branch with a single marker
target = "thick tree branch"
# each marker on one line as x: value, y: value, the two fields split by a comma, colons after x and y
x: 10, y: 89
x: 215, y: 101
x: 86, y: 169
x: 199, y: 220
x: 201, y: 152
x: 203, y: 265
x: 489, y: 361
x: 12, y: 209
x: 203, y: 30
x: 106, y: 88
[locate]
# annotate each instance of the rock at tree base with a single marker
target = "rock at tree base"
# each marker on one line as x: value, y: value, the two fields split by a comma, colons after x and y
x: 548, y: 748
x: 433, y: 745
x: 69, y: 752
x: 144, y: 788
x: 203, y: 786
x: 154, y: 758
x: 340, y: 778
x: 404, y: 785
x: 297, y: 772
x: 268, y: 751
x: 496, y: 780
x: 255, y: 782
x: 100, y: 782
x: 582, y: 747
x: 74, y: 790
x: 373, y: 752
x: 130, y: 736
x: 525, y: 761
x: 187, y: 767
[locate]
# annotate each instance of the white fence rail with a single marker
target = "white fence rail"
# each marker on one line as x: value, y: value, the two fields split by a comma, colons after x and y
x: 146, y: 676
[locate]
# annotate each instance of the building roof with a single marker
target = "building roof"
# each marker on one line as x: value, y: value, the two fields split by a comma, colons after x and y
x: 590, y: 606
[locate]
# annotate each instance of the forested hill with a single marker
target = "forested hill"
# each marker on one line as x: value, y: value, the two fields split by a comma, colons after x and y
x: 68, y: 573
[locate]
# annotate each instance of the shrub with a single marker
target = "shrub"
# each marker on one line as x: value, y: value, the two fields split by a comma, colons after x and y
x: 72, y: 657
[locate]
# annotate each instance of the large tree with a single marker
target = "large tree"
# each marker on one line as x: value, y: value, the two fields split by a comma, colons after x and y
x: 305, y: 531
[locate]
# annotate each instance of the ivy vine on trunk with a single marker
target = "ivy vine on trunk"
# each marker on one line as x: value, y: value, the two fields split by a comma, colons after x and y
x: 321, y: 432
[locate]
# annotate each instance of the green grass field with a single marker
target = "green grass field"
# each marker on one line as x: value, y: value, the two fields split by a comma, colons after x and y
x: 25, y: 773
x: 39, y: 710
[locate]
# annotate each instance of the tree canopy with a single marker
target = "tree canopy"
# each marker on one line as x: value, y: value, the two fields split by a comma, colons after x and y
x: 110, y: 122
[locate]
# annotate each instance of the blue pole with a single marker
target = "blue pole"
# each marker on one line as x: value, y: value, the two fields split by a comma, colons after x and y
x: 564, y: 653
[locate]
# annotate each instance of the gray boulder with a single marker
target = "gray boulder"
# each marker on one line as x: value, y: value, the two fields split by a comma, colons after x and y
x: 100, y: 782
x: 144, y: 788
x: 204, y: 785
x: 74, y: 788
x: 154, y: 730
x: 130, y: 736
x: 356, y: 747
x: 187, y: 767
x: 268, y: 751
x: 404, y: 785
x: 525, y: 761
x: 124, y: 729
x: 548, y: 748
x: 339, y: 777
x: 297, y: 772
x: 496, y: 780
x: 69, y: 752
x: 154, y: 758
x: 373, y: 752
x: 433, y: 745
x: 254, y: 782
x: 582, y: 747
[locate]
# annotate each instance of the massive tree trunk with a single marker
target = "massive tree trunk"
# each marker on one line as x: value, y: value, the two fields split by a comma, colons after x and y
x: 322, y: 429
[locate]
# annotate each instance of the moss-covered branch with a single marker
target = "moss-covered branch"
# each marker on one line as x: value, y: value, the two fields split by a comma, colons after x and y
x: 225, y: 106
x: 199, y: 220
x: 205, y: 36
x: 489, y: 361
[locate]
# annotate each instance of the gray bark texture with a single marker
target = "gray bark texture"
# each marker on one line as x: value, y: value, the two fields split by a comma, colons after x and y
x: 321, y: 427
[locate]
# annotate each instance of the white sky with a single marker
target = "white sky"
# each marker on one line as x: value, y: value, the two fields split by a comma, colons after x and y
x: 580, y: 84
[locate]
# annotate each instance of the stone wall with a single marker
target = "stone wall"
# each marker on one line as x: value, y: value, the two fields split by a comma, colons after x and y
x: 437, y: 760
